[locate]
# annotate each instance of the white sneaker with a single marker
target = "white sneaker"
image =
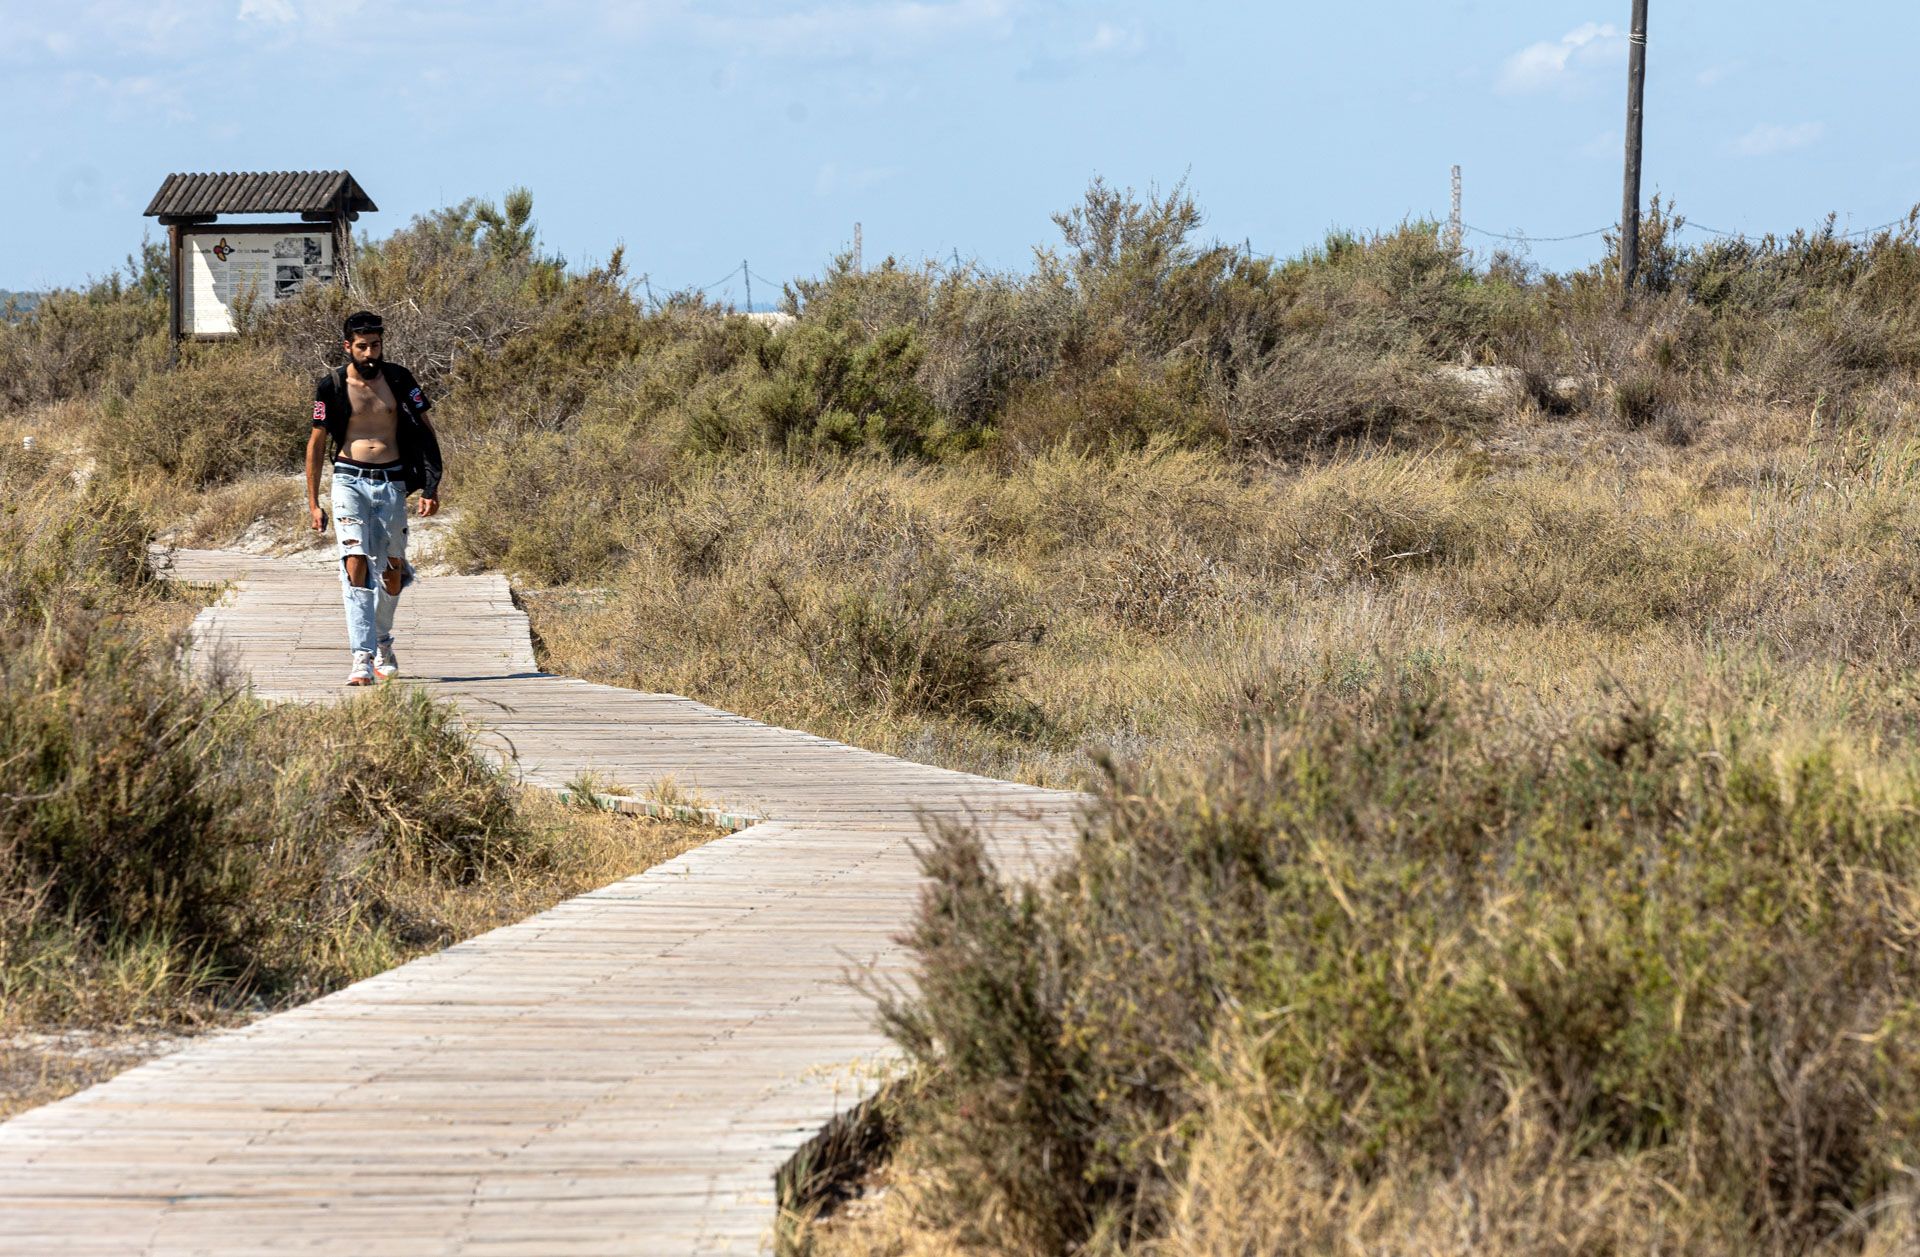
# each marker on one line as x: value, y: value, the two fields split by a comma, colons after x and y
x: 362, y: 673
x: 386, y: 664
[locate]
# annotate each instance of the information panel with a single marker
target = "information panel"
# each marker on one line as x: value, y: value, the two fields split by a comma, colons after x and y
x: 224, y: 269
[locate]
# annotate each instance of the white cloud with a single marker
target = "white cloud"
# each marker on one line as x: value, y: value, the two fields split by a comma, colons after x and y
x: 280, y: 11
x: 884, y: 27
x: 1111, y: 40
x: 1605, y: 144
x: 130, y: 96
x: 1558, y: 63
x: 831, y: 180
x: 1771, y: 138
x: 154, y: 29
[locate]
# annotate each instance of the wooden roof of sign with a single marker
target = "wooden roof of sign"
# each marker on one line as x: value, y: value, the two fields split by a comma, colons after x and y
x: 319, y: 193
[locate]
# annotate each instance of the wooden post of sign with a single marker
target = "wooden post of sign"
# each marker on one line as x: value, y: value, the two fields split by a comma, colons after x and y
x: 173, y: 293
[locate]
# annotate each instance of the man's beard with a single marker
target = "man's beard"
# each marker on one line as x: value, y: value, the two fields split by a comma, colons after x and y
x: 368, y: 369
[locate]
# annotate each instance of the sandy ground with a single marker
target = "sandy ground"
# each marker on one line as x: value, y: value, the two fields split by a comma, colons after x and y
x: 43, y: 1065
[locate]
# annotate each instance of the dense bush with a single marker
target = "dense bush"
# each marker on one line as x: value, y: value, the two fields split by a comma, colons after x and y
x: 539, y: 379
x: 919, y: 633
x: 137, y: 803
x: 1675, y: 944
x: 106, y: 816
x: 62, y: 552
x: 110, y: 333
x: 222, y: 414
x: 1312, y: 398
x: 144, y: 807
x: 840, y: 389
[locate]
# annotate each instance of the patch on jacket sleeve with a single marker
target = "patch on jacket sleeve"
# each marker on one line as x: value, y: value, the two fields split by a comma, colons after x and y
x: 418, y: 398
x: 319, y: 414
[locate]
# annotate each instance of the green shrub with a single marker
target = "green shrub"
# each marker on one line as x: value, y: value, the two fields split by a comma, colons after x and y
x: 1012, y: 1103
x: 988, y: 336
x: 539, y: 376
x: 148, y: 811
x: 1122, y: 408
x: 1665, y: 940
x: 63, y: 551
x: 224, y: 412
x: 74, y: 343
x: 395, y: 778
x: 1315, y: 398
x: 916, y: 632
x: 1397, y: 292
x: 1642, y: 398
x: 103, y: 760
x: 841, y: 389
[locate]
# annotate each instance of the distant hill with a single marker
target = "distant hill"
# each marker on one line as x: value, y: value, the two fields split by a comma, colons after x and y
x: 22, y: 301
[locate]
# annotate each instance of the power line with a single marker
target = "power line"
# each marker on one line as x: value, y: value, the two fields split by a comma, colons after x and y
x: 1861, y: 234
x: 1524, y: 239
x: 1874, y: 231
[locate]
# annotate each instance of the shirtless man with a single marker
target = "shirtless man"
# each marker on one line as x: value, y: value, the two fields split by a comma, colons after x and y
x: 373, y: 414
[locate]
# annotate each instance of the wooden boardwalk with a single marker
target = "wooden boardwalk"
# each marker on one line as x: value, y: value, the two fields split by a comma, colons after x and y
x: 621, y: 1074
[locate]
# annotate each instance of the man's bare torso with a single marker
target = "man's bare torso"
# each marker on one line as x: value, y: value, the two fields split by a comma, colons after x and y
x: 373, y: 434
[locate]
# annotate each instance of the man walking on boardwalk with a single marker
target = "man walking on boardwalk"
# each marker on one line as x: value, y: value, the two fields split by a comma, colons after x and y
x: 374, y: 416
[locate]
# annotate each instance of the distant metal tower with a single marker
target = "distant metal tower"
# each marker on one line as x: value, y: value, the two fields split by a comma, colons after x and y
x: 745, y: 275
x: 856, y: 249
x: 1453, y: 220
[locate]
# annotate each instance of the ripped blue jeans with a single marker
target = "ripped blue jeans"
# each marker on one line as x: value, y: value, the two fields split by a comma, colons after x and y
x: 370, y: 518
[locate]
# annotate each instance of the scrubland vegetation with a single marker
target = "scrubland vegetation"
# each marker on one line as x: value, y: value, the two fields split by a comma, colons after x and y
x: 1501, y: 703
x: 174, y: 853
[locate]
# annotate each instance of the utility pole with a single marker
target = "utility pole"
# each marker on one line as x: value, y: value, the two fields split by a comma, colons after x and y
x: 747, y: 276
x: 1453, y: 219
x: 856, y: 249
x: 1630, y: 200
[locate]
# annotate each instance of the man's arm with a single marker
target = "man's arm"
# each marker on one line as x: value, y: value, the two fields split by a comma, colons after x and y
x: 418, y: 405
x: 430, y: 496
x: 316, y: 450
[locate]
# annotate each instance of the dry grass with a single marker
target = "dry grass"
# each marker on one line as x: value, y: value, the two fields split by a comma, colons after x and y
x: 1138, y: 602
x: 261, y: 511
x: 1249, y: 1188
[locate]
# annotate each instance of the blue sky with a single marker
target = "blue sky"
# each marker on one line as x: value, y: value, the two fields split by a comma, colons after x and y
x: 699, y: 134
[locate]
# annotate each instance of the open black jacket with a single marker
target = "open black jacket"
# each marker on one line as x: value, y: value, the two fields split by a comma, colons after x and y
x: 419, y: 448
